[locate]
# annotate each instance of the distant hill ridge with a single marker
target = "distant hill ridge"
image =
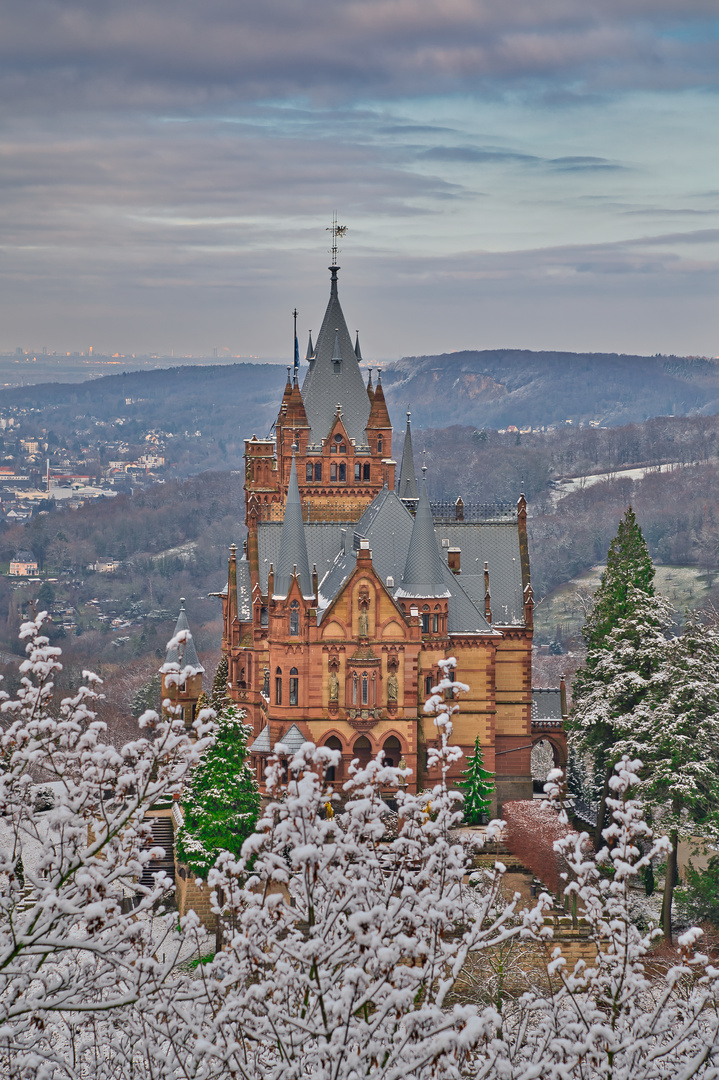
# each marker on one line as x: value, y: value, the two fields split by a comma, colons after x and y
x: 499, y: 387
x: 491, y: 388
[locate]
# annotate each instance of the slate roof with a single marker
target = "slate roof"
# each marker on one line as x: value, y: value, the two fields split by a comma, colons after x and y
x: 189, y: 656
x: 388, y: 525
x: 293, y: 739
x: 546, y: 703
x: 293, y: 546
x: 261, y: 745
x: 323, y: 539
x: 496, y: 543
x: 327, y: 384
x: 407, y: 483
x: 24, y: 557
x: 423, y: 571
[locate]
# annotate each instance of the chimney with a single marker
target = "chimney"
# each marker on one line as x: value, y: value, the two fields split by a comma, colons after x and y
x: 454, y: 555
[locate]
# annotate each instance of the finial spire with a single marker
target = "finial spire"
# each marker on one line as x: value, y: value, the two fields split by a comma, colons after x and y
x: 337, y: 231
x: 297, y: 347
x: 358, y: 351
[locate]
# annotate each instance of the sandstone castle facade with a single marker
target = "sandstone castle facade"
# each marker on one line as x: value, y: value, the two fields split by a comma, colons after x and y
x: 352, y: 586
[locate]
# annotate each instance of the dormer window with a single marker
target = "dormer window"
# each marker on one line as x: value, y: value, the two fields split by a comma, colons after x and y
x: 294, y: 618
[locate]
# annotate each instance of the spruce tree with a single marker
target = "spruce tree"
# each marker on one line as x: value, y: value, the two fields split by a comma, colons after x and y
x: 629, y: 566
x: 478, y: 787
x: 219, y: 699
x: 675, y: 734
x: 221, y: 804
x: 625, y: 633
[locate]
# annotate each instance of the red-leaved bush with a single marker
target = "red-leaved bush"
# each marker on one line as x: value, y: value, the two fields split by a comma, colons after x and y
x: 532, y: 828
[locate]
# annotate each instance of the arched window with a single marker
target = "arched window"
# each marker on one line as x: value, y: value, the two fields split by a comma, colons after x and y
x: 278, y: 686
x: 358, y: 470
x: 428, y: 684
x: 333, y: 469
x: 318, y: 470
x: 365, y: 688
x: 294, y: 687
x: 425, y: 622
x: 380, y: 445
x: 354, y: 687
x: 366, y: 471
x: 333, y: 743
x: 266, y: 684
x: 309, y: 472
x: 362, y: 749
x: 392, y: 751
x: 343, y: 472
x: 294, y: 618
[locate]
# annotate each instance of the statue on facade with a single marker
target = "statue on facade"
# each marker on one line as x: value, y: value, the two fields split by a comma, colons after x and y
x: 392, y: 687
x: 334, y: 685
x: 363, y: 623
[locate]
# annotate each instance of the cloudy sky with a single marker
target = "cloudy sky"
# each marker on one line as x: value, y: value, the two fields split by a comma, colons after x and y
x: 521, y: 173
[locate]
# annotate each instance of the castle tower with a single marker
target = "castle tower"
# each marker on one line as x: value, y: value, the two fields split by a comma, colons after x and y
x: 187, y: 692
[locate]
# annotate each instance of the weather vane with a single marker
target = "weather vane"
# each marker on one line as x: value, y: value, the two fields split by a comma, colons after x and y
x: 337, y: 231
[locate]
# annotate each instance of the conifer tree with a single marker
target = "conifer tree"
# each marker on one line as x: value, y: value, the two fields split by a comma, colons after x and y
x: 221, y: 803
x: 218, y: 698
x: 629, y: 566
x: 614, y: 683
x: 478, y: 787
x: 675, y: 733
x: 625, y: 633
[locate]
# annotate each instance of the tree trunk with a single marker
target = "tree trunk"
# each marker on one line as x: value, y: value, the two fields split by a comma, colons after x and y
x: 602, y: 811
x: 669, y: 887
x: 218, y: 924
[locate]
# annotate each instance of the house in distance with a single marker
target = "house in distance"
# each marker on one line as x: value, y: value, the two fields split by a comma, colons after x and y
x: 353, y: 586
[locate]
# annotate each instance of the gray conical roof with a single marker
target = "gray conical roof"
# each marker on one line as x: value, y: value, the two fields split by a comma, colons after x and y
x: 327, y: 383
x: 186, y: 655
x: 358, y: 351
x: 424, y: 573
x: 293, y: 544
x: 310, y: 349
x: 407, y: 486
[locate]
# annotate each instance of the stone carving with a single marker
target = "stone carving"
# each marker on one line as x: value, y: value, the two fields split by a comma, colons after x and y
x: 363, y: 623
x: 334, y: 685
x: 392, y: 687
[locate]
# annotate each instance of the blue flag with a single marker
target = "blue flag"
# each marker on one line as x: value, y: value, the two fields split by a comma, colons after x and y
x: 297, y: 355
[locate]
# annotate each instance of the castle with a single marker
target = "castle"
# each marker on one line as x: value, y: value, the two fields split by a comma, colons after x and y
x: 349, y: 592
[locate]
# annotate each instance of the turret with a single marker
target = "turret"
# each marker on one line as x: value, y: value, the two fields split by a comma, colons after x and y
x: 183, y: 693
x: 407, y: 487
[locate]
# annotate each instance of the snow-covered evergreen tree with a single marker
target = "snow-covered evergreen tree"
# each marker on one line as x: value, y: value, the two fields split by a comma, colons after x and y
x: 478, y: 787
x: 221, y: 802
x: 625, y: 634
x: 219, y: 698
x: 675, y: 732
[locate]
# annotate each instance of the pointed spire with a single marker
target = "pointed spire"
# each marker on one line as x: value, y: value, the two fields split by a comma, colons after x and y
x: 335, y: 374
x: 185, y: 655
x: 370, y: 388
x: 310, y: 350
x: 407, y: 488
x: 292, y: 556
x: 231, y: 589
x: 424, y: 571
x: 358, y: 351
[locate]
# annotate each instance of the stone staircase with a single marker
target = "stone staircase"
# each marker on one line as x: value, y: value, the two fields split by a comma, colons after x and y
x: 164, y: 837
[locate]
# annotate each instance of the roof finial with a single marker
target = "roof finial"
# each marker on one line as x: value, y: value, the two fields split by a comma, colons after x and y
x: 182, y: 602
x: 297, y: 347
x: 358, y: 351
x: 337, y: 232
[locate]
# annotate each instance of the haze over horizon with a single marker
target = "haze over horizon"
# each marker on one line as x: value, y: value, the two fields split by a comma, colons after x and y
x: 530, y: 175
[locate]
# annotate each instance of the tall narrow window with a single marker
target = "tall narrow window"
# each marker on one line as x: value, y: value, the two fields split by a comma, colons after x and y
x: 380, y: 445
x: 365, y: 688
x: 366, y: 471
x: 294, y: 618
x: 435, y: 624
x: 318, y: 470
x: 354, y: 689
x: 278, y: 686
x: 294, y: 687
x: 264, y: 617
x: 266, y: 684
x: 343, y: 472
x: 428, y: 684
x: 309, y: 471
x: 358, y: 470
x: 333, y: 470
x: 425, y: 622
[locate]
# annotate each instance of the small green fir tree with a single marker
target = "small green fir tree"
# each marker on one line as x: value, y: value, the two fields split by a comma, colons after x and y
x: 478, y: 787
x: 219, y: 699
x: 222, y: 802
